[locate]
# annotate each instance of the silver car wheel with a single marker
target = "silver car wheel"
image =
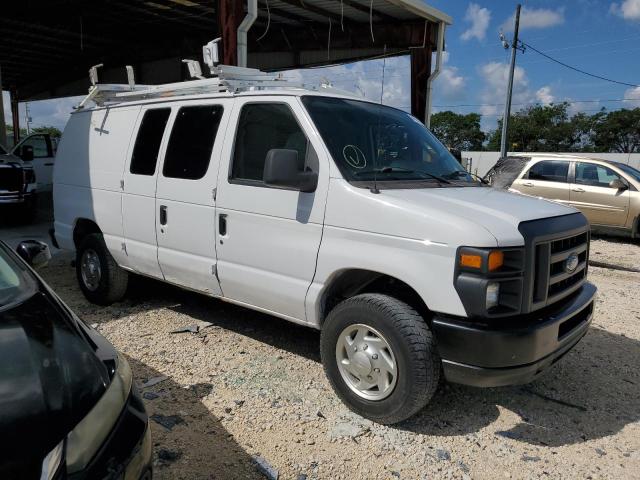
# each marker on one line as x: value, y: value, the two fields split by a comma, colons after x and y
x: 90, y: 269
x: 366, y: 362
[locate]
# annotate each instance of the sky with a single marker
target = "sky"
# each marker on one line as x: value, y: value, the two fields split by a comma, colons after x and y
x: 598, y: 36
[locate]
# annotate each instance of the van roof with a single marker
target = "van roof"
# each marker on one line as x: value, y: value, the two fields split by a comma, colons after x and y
x: 285, y: 92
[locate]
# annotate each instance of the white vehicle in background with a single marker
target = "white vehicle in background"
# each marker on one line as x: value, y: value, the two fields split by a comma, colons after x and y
x: 43, y: 147
x: 329, y: 211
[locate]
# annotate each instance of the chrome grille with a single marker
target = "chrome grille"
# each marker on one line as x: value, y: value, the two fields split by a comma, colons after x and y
x: 553, y: 279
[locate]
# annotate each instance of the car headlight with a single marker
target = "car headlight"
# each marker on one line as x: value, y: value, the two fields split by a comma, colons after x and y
x: 51, y: 463
x: 490, y: 281
x: 493, y: 295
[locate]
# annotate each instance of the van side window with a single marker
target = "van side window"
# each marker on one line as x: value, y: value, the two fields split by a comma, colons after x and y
x: 262, y: 127
x: 549, y: 171
x: 145, y: 151
x: 191, y: 142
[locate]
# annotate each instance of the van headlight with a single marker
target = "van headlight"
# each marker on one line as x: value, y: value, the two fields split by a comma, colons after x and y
x: 493, y: 295
x: 490, y: 281
x: 52, y: 462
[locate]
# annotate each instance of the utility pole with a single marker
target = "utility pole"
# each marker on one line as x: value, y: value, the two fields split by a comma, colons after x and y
x: 27, y: 117
x: 507, y: 103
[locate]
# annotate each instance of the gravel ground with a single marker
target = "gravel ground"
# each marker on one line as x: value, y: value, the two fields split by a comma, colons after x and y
x: 247, y: 395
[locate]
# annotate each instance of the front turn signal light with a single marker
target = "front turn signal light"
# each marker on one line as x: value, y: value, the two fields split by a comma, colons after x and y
x: 496, y: 260
x: 471, y: 261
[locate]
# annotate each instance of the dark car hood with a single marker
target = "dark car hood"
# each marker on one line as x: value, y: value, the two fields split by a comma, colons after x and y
x: 50, y: 378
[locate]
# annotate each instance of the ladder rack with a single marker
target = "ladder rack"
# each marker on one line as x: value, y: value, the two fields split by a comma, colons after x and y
x: 225, y: 79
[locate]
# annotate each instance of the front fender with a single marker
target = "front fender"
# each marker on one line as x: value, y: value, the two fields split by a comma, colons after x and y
x: 427, y: 267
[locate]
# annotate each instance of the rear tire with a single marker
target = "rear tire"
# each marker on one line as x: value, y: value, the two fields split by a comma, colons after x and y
x: 100, y: 278
x: 405, y: 339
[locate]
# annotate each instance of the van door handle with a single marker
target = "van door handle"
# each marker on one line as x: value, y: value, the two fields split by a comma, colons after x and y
x: 579, y: 190
x: 222, y: 224
x: 527, y: 184
x: 163, y: 215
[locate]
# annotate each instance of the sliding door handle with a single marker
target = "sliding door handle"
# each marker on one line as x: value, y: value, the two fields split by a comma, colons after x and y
x: 222, y: 224
x: 163, y: 214
x: 579, y: 190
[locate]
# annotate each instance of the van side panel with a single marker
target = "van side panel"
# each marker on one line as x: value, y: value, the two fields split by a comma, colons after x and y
x: 87, y: 175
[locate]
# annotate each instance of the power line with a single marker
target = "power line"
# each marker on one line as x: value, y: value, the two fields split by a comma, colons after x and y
x: 577, y: 69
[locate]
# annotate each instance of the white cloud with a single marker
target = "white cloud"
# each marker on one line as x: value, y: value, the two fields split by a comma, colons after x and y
x: 449, y: 85
x: 531, y: 18
x: 365, y: 79
x: 53, y: 112
x: 495, y: 76
x: 629, y: 9
x: 544, y: 95
x: 634, y: 95
x: 478, y: 18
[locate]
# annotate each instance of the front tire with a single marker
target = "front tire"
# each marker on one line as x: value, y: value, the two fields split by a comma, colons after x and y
x: 380, y: 357
x: 100, y: 278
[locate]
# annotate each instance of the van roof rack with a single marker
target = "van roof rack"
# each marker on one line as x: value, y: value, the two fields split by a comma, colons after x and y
x: 225, y: 79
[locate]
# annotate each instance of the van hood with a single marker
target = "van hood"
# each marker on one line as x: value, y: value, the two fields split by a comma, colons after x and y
x: 497, y: 211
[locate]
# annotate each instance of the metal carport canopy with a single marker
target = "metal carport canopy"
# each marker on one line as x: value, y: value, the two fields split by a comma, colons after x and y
x: 47, y: 46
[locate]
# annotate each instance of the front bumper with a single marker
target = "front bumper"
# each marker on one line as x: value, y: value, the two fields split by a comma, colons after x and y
x: 513, y: 350
x: 126, y: 453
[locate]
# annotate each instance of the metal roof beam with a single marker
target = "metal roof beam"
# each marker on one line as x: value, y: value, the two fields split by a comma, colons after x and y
x: 313, y: 9
x: 364, y: 9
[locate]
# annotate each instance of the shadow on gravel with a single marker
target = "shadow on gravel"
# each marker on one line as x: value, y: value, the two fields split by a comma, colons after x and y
x: 197, y: 446
x: 278, y: 333
x: 591, y: 393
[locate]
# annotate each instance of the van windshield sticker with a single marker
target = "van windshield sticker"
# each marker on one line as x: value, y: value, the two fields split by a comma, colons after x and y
x: 354, y: 156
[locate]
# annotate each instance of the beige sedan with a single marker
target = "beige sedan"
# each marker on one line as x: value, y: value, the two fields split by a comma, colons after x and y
x: 607, y: 192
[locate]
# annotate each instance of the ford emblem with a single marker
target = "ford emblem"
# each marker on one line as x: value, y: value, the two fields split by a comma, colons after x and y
x: 571, y: 263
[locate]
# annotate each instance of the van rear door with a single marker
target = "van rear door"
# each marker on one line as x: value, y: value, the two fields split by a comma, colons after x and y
x: 185, y: 195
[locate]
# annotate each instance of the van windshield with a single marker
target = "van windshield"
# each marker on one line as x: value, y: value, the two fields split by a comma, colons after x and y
x: 368, y: 141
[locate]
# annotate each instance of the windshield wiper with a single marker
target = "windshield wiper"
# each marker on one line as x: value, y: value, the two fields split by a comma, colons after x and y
x: 460, y: 173
x: 403, y: 170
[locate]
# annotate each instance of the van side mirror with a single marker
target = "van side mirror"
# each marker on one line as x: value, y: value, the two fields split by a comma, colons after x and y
x: 281, y: 170
x: 35, y: 253
x: 618, y: 184
x: 26, y: 153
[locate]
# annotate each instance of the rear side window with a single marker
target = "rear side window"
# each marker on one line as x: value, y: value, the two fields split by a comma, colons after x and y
x: 594, y: 175
x: 145, y: 151
x: 262, y: 127
x: 550, y: 171
x: 191, y: 142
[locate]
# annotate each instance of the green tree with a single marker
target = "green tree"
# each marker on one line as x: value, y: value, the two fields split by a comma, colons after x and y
x: 458, y: 131
x: 617, y: 131
x: 546, y: 128
x: 53, y: 131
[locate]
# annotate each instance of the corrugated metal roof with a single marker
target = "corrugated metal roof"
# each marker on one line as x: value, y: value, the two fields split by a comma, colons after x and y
x: 359, y: 11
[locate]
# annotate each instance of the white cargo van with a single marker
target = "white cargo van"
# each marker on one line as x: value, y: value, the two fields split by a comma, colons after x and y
x: 329, y: 211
